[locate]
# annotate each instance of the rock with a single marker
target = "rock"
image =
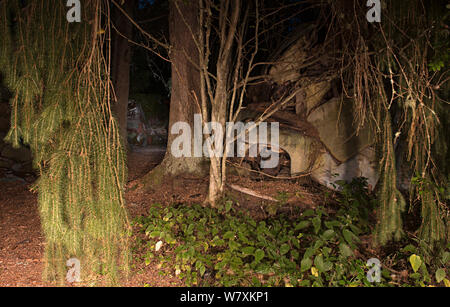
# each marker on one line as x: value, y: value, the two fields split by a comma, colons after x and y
x: 337, y: 131
x: 327, y: 171
x: 21, y: 154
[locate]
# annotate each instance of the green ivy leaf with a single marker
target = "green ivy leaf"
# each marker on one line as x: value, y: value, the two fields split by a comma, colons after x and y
x: 219, y: 242
x: 147, y: 260
x: 316, y: 223
x: 202, y: 270
x: 259, y: 255
x: 228, y: 206
x: 302, y: 225
x: 228, y: 235
x: 168, y: 217
x: 233, y: 245
x: 190, y: 229
x: 327, y: 265
x: 415, y: 261
x: 348, y: 236
x: 328, y: 234
x: 154, y: 234
x: 440, y: 275
x: 318, y: 262
x: 220, y: 265
x: 309, y: 252
x: 355, y: 231
x: 295, y: 254
x: 331, y: 224
x: 409, y: 249
x: 308, y: 212
x: 248, y: 250
x: 305, y: 264
x: 284, y: 249
x: 345, y: 250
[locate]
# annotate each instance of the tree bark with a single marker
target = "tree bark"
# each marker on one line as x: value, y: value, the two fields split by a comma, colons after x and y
x: 185, y: 90
x: 120, y: 65
x: 229, y: 20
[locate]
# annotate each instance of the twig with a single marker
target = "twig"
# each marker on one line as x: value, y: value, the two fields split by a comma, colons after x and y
x: 251, y: 192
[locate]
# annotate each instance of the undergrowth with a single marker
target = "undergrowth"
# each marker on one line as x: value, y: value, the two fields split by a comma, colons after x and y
x: 227, y: 247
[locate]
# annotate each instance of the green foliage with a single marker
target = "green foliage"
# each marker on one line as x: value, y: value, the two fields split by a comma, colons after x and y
x: 224, y: 247
x: 400, y: 66
x: 422, y: 263
x: 221, y: 247
x: 233, y: 249
x: 60, y: 108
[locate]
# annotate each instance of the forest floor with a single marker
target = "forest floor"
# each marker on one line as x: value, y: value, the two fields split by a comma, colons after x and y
x: 22, y: 242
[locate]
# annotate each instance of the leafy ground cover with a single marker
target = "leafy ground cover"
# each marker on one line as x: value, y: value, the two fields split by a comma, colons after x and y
x: 325, y: 246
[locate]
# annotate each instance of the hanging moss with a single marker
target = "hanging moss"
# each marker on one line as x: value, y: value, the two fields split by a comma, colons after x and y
x: 433, y: 230
x: 400, y: 63
x: 392, y: 203
x: 60, y: 108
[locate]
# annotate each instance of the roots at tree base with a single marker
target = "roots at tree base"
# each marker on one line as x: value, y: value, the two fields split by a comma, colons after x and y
x: 172, y: 167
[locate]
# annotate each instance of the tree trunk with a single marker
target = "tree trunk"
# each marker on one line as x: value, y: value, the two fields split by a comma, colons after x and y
x: 217, y: 175
x: 185, y: 90
x: 120, y: 65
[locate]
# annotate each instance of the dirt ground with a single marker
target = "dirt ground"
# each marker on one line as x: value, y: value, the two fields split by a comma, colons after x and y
x: 22, y: 243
